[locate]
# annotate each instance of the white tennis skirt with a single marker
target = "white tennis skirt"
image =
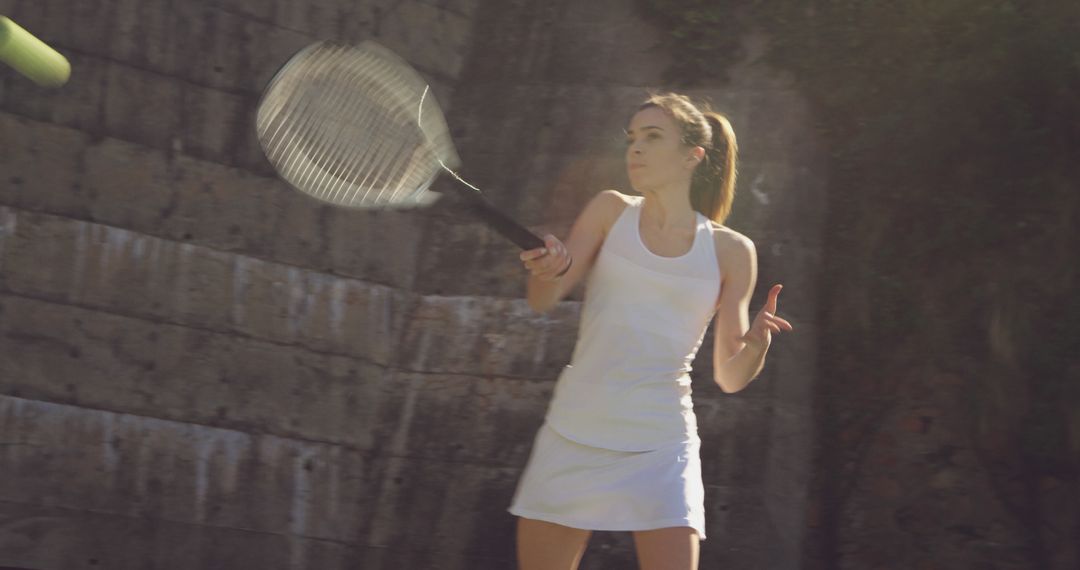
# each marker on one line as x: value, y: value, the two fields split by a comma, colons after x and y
x: 593, y: 488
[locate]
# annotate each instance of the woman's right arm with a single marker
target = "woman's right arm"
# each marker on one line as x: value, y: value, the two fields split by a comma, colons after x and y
x: 544, y: 288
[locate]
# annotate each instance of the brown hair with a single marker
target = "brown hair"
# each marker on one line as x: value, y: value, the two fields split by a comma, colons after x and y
x: 712, y: 188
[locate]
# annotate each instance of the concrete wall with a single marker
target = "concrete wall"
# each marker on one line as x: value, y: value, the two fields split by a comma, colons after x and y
x: 200, y: 368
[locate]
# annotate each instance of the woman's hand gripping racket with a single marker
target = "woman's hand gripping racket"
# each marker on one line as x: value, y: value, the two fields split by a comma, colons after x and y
x: 356, y: 126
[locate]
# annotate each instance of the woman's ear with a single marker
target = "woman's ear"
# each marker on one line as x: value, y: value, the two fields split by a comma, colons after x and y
x: 697, y: 154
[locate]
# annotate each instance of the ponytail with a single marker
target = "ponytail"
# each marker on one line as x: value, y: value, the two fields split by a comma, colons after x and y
x: 712, y: 189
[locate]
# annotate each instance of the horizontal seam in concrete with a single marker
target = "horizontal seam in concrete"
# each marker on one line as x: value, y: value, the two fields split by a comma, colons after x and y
x: 435, y: 74
x: 367, y: 453
x: 268, y: 22
x: 238, y: 252
x: 97, y: 136
x: 350, y: 545
x: 272, y: 261
x: 257, y: 19
x: 471, y: 374
x: 235, y: 252
x: 4, y: 292
x: 184, y: 523
x: 159, y: 73
x: 448, y: 9
x: 549, y: 86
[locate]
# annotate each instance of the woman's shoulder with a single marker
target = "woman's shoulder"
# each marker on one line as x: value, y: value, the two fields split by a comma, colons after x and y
x: 616, y: 199
x: 730, y: 242
x: 605, y: 208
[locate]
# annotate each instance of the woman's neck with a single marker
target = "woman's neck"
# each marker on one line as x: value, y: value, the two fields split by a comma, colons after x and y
x: 669, y: 210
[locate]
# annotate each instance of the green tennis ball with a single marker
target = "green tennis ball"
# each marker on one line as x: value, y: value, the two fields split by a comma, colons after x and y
x: 31, y: 56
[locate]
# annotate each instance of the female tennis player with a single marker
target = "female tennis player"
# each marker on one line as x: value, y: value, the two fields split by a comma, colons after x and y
x: 619, y: 450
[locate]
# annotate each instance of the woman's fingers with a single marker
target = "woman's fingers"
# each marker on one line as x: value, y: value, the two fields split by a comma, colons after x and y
x: 767, y: 323
x: 781, y: 322
x: 546, y: 262
x: 776, y: 324
x: 557, y: 250
x: 770, y: 304
x: 770, y: 323
x: 531, y: 254
x: 768, y: 312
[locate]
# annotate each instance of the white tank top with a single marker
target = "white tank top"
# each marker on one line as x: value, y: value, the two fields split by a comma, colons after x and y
x: 627, y: 386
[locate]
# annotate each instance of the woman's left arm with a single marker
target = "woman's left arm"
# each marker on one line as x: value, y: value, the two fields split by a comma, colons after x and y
x: 739, y: 346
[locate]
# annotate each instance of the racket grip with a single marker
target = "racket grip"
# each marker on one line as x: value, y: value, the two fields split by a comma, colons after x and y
x: 500, y: 222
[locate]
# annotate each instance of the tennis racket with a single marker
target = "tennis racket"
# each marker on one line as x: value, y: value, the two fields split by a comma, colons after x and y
x: 356, y: 126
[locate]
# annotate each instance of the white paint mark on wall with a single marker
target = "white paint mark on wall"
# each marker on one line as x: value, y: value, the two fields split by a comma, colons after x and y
x: 139, y: 247
x: 236, y: 447
x: 146, y: 442
x: 151, y: 259
x: 204, y: 453
x: 181, y: 472
x: 385, y: 299
x: 302, y: 466
x: 540, y: 347
x: 400, y: 442
x: 317, y: 306
x: 11, y: 412
x: 757, y: 192
x: 116, y: 243
x: 294, y: 300
x: 301, y: 505
x: 335, y: 465
x: 336, y: 307
x: 110, y: 459
x: 8, y: 222
x: 382, y: 523
x: 82, y: 247
x: 241, y: 270
x: 183, y: 277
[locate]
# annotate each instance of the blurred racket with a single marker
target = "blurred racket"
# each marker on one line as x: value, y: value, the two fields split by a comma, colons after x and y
x: 356, y: 126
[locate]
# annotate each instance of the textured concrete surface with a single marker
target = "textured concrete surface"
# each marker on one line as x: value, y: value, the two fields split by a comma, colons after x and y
x: 201, y: 368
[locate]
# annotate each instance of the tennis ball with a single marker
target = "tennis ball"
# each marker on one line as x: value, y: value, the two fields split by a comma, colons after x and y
x: 31, y: 56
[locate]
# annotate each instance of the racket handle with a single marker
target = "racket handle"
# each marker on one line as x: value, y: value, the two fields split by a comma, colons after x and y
x: 500, y: 222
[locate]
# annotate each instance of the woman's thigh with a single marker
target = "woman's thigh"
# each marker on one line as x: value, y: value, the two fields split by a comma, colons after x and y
x: 542, y: 545
x: 674, y: 548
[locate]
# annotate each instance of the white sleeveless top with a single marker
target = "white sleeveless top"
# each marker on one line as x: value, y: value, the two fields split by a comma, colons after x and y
x: 627, y: 386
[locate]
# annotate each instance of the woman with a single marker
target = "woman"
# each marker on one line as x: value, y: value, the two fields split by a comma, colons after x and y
x: 619, y: 449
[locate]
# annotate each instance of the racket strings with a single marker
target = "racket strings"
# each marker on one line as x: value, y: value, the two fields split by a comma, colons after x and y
x: 325, y: 135
x: 397, y: 143
x: 343, y: 124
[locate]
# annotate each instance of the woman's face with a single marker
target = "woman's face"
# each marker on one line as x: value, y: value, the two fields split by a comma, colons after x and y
x: 655, y: 154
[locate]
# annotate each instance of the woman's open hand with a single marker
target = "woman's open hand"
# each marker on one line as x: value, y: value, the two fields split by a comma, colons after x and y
x: 547, y: 263
x: 766, y: 323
